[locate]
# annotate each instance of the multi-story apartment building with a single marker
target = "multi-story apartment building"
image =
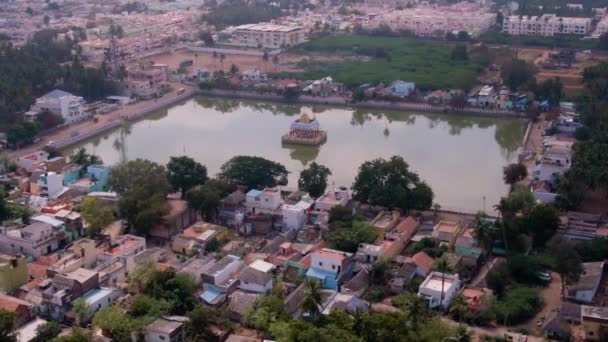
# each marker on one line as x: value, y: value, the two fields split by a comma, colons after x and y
x: 59, y: 102
x: 268, y: 35
x: 545, y: 25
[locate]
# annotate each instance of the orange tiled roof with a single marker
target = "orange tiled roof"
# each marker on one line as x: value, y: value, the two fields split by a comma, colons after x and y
x: 407, y: 225
x: 36, y: 270
x: 11, y: 303
x: 423, y: 261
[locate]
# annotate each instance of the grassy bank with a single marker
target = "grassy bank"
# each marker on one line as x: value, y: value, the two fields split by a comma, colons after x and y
x: 427, y: 64
x: 559, y: 41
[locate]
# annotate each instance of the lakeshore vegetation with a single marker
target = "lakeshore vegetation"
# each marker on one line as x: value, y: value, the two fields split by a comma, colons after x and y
x: 387, y: 59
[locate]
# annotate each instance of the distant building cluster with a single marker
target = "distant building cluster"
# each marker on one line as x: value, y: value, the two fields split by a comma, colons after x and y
x: 269, y: 36
x: 436, y: 21
x: 546, y: 25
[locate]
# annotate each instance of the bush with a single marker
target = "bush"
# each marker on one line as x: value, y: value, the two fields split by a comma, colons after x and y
x: 517, y: 306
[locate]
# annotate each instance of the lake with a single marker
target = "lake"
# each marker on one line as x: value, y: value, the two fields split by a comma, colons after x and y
x: 460, y: 157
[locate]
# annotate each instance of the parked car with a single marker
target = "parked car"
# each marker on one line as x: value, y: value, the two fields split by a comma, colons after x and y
x: 544, y: 276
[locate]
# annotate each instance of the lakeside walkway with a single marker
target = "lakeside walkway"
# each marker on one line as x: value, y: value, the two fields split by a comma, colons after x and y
x: 373, y: 104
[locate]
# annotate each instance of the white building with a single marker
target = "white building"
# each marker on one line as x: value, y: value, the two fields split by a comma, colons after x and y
x: 101, y: 298
x: 431, y: 289
x: 59, y: 102
x: 166, y: 329
x: 331, y: 199
x: 585, y: 289
x: 437, y: 21
x: 266, y: 201
x: 268, y: 35
x: 601, y: 27
x: 34, y: 240
x: 294, y: 215
x: 255, y: 281
x: 545, y: 25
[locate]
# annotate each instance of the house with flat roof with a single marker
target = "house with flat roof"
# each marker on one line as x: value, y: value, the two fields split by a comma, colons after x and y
x: 35, y: 239
x: 166, y: 329
x: 101, y: 298
x: 329, y: 266
x: 266, y: 35
x: 594, y: 321
x: 437, y: 283
x: 267, y: 201
x: 221, y: 279
x: 333, y: 198
x: 60, y: 103
x: 446, y: 232
x: 255, y: 281
x: 400, y: 89
x: 585, y: 289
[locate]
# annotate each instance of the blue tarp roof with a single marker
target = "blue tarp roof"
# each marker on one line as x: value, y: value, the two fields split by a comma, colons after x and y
x: 254, y: 192
x: 210, y: 295
x: 320, y: 274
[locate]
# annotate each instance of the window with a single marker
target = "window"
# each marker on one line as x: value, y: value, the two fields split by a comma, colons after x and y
x: 320, y: 263
x: 333, y: 267
x: 161, y: 337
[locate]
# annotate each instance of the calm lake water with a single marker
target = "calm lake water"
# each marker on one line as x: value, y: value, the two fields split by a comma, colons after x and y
x: 460, y: 157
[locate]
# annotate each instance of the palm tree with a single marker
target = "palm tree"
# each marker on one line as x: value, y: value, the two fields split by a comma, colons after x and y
x: 265, y: 59
x: 442, y: 266
x: 222, y: 57
x: 484, y: 232
x: 416, y: 308
x: 312, y: 298
x: 458, y: 308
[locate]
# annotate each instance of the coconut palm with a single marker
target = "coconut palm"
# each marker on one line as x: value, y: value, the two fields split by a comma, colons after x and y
x: 459, y: 308
x: 485, y: 233
x: 416, y: 308
x: 442, y: 266
x: 312, y: 298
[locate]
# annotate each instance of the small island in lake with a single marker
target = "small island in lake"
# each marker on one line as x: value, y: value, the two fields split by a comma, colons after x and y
x: 305, y: 131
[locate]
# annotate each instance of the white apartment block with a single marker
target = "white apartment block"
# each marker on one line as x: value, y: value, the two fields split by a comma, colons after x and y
x: 435, y: 283
x: 601, y: 27
x: 545, y: 25
x: 59, y: 102
x: 268, y: 35
x: 438, y: 20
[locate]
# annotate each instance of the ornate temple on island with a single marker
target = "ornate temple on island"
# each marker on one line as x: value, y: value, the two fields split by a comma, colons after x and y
x: 305, y: 131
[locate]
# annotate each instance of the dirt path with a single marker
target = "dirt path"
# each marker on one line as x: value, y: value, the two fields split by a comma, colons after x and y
x: 551, y: 297
x: 88, y: 125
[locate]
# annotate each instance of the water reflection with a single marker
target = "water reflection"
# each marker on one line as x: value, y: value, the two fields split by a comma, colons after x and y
x: 461, y: 157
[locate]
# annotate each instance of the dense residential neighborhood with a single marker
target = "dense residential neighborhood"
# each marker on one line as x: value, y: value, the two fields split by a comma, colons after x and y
x: 408, y: 171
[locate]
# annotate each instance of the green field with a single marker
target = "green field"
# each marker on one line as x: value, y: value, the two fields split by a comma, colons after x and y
x: 391, y: 58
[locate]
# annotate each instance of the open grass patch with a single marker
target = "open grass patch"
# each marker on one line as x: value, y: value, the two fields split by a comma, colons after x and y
x: 429, y: 65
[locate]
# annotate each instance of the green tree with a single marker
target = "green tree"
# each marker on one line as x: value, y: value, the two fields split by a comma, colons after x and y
x: 518, y: 305
x: 82, y: 311
x: 517, y: 73
x: 314, y: 179
x: 207, y: 38
x: 96, y: 214
x: 379, y: 271
x: 390, y: 183
x: 267, y: 309
x: 542, y: 223
x: 514, y: 173
x: 151, y: 307
x: 594, y: 250
x: 603, y: 42
x: 485, y: 232
x: 443, y: 267
x: 416, y: 308
x: 254, y: 172
x: 142, y: 210
x: 567, y: 261
x: 7, y: 326
x: 197, y: 329
x: 204, y: 199
x: 458, y: 308
x: 115, y: 323
x: 47, y: 332
x: 184, y: 173
x: 84, y: 159
x: 459, y: 53
x: 340, y: 214
x: 347, y: 238
x: 139, y: 174
x: 312, y: 298
x: 77, y: 335
x: 550, y: 89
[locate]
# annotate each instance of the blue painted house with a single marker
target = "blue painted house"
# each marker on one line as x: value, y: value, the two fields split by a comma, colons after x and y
x: 100, y: 174
x: 329, y: 266
x: 400, y: 89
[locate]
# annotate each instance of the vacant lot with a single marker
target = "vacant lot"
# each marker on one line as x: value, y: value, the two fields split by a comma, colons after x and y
x: 427, y: 64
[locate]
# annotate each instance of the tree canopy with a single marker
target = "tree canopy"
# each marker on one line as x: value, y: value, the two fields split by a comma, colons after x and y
x: 390, y: 183
x: 347, y: 237
x: 96, y: 214
x: 514, y: 173
x: 139, y: 174
x: 314, y: 179
x: 7, y: 326
x: 254, y: 172
x: 184, y: 173
x: 517, y: 73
